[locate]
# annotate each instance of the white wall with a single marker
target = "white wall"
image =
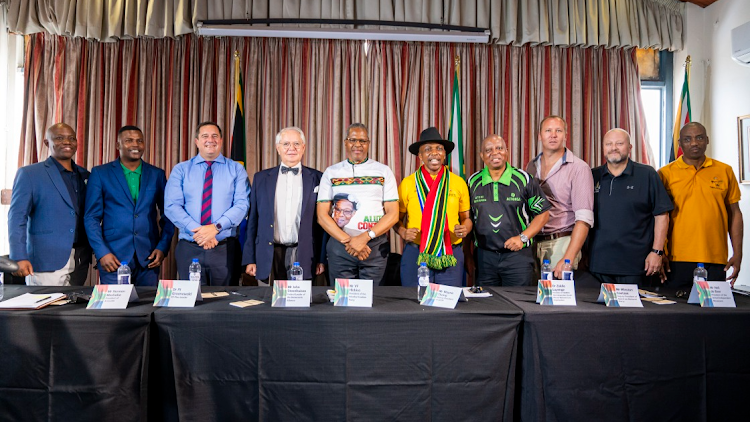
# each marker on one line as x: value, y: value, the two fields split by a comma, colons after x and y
x: 719, y: 88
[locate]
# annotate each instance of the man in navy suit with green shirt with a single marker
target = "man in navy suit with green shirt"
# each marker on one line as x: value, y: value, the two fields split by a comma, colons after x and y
x: 125, y: 213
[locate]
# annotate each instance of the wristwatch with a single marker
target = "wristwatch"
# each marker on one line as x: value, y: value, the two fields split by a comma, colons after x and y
x: 658, y: 252
x: 523, y: 237
x: 218, y: 227
x: 371, y: 234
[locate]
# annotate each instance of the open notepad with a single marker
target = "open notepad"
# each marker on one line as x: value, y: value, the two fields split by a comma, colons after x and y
x: 31, y: 301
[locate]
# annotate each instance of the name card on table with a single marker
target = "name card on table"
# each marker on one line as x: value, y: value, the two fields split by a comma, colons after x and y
x: 350, y: 292
x: 291, y: 294
x: 112, y: 296
x: 712, y: 294
x: 178, y: 293
x: 620, y: 295
x: 441, y: 296
x: 556, y: 292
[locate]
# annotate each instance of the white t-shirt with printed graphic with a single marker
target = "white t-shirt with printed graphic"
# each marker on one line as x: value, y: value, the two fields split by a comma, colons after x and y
x: 369, y: 183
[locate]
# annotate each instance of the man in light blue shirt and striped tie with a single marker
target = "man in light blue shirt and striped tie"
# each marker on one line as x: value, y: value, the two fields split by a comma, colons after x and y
x: 206, y: 198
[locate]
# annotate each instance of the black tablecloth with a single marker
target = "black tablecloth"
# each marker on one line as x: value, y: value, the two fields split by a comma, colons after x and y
x: 395, y: 361
x: 657, y: 363
x: 69, y: 363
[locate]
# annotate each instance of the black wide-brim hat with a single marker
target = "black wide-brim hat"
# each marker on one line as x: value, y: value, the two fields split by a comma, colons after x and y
x: 431, y: 136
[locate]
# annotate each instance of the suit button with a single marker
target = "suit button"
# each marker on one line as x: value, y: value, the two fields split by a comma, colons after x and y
x: 71, y: 230
x: 271, y: 225
x: 72, y: 212
x: 135, y: 233
x: 269, y: 243
x: 136, y: 216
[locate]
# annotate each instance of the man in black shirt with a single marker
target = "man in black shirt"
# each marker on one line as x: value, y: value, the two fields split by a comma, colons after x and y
x: 631, y: 211
x: 508, y: 209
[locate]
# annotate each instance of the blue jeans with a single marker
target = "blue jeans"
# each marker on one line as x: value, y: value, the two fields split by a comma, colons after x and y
x: 451, y: 276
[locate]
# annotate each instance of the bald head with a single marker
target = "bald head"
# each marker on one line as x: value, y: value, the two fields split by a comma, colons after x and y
x: 616, y: 146
x: 61, y: 141
x: 494, y: 152
x: 693, y: 141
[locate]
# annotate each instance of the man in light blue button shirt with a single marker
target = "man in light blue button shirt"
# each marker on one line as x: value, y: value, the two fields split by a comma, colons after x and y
x: 206, y: 199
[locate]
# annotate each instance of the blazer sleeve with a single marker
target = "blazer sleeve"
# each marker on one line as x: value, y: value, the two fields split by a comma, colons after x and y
x: 248, y: 253
x: 21, y: 203
x: 92, y: 218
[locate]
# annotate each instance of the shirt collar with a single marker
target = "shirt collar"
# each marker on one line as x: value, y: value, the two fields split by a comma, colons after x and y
x: 628, y: 168
x: 199, y: 159
x: 504, y: 178
x: 708, y: 162
x: 136, y: 171
x: 355, y: 164
x: 63, y: 169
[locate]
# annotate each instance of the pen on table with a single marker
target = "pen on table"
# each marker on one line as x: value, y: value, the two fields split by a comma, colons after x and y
x: 237, y: 293
x: 42, y: 299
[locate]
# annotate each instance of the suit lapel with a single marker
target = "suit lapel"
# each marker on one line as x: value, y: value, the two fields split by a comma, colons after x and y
x: 119, y: 175
x: 273, y: 177
x: 307, y: 187
x: 54, y: 174
x: 146, y: 175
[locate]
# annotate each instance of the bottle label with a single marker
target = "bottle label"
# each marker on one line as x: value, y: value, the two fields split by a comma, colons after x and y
x: 567, y: 275
x: 424, y: 281
x: 696, y: 278
x: 123, y: 279
x: 547, y: 275
x: 195, y: 277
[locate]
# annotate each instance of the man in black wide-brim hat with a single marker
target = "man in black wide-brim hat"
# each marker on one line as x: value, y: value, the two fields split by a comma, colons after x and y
x: 442, y: 198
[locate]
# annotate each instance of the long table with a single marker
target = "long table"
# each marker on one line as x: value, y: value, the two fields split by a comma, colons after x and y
x: 660, y: 362
x: 395, y: 361
x: 67, y: 363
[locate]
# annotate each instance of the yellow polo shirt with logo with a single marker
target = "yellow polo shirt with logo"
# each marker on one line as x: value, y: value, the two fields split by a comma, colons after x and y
x: 458, y: 201
x: 699, y: 224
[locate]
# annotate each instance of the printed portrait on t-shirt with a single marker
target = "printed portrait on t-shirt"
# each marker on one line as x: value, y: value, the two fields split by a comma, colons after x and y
x: 344, y: 208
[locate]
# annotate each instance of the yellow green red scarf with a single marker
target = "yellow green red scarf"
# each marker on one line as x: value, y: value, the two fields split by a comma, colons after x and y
x: 435, y: 242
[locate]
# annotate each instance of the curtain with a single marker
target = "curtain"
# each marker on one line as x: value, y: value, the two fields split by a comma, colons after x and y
x: 610, y: 23
x: 167, y: 86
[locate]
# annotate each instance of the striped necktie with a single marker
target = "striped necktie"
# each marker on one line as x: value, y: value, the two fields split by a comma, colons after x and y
x: 208, y: 182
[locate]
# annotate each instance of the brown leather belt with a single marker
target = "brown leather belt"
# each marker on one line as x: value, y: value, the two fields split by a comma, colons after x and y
x: 551, y: 236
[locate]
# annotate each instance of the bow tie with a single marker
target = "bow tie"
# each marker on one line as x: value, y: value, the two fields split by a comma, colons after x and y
x: 285, y: 170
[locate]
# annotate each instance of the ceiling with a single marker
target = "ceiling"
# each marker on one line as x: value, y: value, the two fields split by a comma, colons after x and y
x: 701, y: 3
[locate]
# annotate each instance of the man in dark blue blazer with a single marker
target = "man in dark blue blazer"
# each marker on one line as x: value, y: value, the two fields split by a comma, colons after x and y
x: 45, y: 221
x: 282, y: 227
x: 125, y: 213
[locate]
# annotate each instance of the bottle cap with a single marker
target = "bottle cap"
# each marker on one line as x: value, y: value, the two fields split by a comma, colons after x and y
x: 424, y: 264
x: 546, y: 261
x: 700, y: 265
x: 296, y: 264
x: 123, y: 263
x: 567, y: 261
x: 195, y: 259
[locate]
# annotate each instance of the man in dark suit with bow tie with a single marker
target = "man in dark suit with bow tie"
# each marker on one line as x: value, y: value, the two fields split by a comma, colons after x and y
x: 45, y: 221
x: 282, y: 226
x: 123, y: 201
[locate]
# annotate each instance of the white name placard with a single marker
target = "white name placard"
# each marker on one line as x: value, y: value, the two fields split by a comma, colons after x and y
x: 291, y: 294
x: 712, y: 294
x: 441, y: 296
x: 177, y: 293
x: 112, y: 296
x: 556, y: 292
x: 351, y: 292
x: 620, y: 295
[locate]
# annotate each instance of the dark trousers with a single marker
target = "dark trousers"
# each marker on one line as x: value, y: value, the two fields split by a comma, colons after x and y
x: 218, y: 265
x: 139, y: 275
x: 343, y: 265
x: 82, y: 257
x: 505, y: 268
x: 451, y: 276
x: 681, y: 273
x: 283, y: 258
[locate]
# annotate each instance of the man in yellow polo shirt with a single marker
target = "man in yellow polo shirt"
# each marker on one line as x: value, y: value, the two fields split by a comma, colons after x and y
x: 436, y: 192
x: 706, y: 207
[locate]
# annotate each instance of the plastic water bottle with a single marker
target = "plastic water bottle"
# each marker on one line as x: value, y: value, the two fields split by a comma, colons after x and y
x: 195, y: 270
x: 547, y: 270
x: 123, y: 273
x: 296, y: 272
x: 700, y: 273
x: 567, y: 273
x: 423, y: 276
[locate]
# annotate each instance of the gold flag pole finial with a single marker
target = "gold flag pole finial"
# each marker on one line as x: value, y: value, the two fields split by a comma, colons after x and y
x: 457, y: 60
x: 688, y: 61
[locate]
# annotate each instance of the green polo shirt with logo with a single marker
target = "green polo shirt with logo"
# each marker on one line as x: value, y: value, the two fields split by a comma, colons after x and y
x: 133, y: 179
x: 503, y: 209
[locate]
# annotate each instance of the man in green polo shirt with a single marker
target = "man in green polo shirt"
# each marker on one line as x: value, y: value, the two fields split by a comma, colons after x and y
x: 125, y: 213
x: 508, y: 208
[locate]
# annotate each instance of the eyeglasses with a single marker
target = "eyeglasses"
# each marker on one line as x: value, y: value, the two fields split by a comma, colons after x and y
x: 358, y: 141
x: 64, y: 139
x: 346, y: 213
x: 288, y: 145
